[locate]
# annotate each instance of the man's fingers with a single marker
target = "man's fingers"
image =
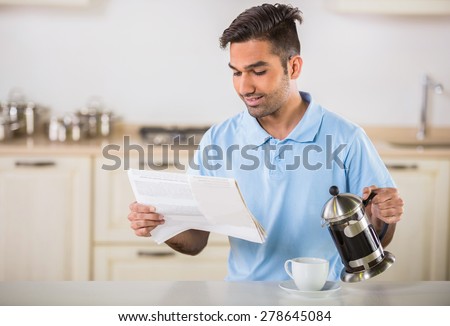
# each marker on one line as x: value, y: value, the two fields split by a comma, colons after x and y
x: 140, y: 208
x: 133, y: 216
x: 368, y: 190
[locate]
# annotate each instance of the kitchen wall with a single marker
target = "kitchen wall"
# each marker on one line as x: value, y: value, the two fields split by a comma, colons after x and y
x: 159, y: 61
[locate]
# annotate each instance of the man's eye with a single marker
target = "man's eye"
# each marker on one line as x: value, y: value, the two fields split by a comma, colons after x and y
x: 260, y: 73
x: 237, y: 73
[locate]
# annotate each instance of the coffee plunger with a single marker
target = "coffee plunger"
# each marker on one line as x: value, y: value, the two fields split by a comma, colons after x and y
x: 354, y: 236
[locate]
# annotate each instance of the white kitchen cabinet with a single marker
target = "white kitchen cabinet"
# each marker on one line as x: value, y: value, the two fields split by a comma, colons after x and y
x: 121, y: 255
x: 421, y: 240
x: 45, y: 218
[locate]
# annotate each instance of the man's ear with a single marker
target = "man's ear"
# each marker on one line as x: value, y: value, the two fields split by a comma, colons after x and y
x: 295, y: 66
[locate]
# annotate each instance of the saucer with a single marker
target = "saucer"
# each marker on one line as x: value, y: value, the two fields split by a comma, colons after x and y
x: 329, y: 288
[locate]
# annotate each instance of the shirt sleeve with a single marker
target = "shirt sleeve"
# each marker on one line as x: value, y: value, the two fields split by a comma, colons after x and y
x: 364, y: 166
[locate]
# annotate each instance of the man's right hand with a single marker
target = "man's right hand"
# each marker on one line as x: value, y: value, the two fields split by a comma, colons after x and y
x: 144, y: 219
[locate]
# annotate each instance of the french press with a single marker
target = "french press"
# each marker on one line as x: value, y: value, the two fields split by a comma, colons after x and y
x: 354, y: 236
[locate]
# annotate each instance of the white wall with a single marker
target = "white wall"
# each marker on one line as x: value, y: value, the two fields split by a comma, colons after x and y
x: 159, y: 61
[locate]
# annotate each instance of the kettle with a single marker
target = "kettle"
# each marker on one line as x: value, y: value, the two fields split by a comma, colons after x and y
x: 354, y: 236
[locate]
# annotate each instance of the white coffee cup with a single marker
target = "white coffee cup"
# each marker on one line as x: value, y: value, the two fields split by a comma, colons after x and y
x: 308, y: 273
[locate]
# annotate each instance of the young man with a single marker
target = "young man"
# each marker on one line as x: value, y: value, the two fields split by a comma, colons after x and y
x: 285, y: 151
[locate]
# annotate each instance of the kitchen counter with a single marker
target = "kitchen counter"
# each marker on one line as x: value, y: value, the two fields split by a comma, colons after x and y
x: 40, y: 145
x: 380, y: 136
x: 218, y: 293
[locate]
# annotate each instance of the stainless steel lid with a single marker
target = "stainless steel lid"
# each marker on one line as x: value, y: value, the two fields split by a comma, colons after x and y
x: 340, y: 206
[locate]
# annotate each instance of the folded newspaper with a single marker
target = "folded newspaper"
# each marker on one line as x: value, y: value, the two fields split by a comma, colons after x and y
x: 195, y: 202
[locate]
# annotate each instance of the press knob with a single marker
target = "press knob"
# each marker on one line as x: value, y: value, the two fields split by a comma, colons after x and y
x: 334, y: 191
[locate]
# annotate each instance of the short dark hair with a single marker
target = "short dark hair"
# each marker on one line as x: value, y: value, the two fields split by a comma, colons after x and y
x: 273, y: 23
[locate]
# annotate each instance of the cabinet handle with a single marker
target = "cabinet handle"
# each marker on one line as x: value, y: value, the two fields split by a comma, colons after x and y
x: 143, y: 253
x: 35, y: 164
x: 402, y: 166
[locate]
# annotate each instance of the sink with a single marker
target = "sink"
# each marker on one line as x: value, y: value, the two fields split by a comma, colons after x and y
x: 406, y: 137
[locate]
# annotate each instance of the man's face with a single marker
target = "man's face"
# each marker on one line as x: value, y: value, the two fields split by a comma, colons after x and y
x: 258, y: 77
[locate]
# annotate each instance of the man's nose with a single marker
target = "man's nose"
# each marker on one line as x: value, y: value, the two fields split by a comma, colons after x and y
x: 246, y: 85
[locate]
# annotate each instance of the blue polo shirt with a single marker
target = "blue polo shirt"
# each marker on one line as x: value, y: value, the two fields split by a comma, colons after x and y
x: 285, y: 184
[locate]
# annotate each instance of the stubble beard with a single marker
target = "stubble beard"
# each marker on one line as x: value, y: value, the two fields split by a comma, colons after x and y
x: 272, y: 102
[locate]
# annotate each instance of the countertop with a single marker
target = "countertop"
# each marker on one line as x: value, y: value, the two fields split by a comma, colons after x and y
x: 219, y: 293
x: 437, y: 143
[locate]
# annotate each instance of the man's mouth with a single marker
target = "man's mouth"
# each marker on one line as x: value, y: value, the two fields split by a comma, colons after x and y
x: 253, y: 100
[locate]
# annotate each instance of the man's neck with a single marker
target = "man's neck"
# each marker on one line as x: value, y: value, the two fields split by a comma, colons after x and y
x: 281, y: 123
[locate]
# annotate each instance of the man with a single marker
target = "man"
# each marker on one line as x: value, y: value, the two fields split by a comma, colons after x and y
x: 285, y: 151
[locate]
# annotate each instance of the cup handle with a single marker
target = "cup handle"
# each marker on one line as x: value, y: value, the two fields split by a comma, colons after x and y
x: 287, y: 269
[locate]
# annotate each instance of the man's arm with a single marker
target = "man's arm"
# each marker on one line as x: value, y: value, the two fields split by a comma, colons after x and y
x: 190, y: 242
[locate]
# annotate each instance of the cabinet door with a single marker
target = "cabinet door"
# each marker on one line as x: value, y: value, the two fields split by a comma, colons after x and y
x: 44, y: 218
x: 159, y: 263
x: 420, y: 243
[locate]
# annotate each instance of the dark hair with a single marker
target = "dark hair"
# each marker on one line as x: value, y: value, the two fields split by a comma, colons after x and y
x: 273, y: 23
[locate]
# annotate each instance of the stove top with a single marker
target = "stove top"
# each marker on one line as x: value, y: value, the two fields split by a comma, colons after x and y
x: 172, y: 135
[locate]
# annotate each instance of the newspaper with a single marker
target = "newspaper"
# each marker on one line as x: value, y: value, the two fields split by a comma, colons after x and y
x: 195, y: 202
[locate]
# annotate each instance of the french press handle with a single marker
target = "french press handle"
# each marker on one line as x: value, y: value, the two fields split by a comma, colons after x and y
x: 385, y: 225
x: 368, y: 199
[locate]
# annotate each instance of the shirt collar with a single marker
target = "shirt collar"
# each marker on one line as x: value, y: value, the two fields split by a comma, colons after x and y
x: 252, y: 132
x: 305, y: 131
x: 308, y: 127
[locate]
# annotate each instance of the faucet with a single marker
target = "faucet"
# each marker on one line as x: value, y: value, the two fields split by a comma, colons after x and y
x: 427, y: 83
